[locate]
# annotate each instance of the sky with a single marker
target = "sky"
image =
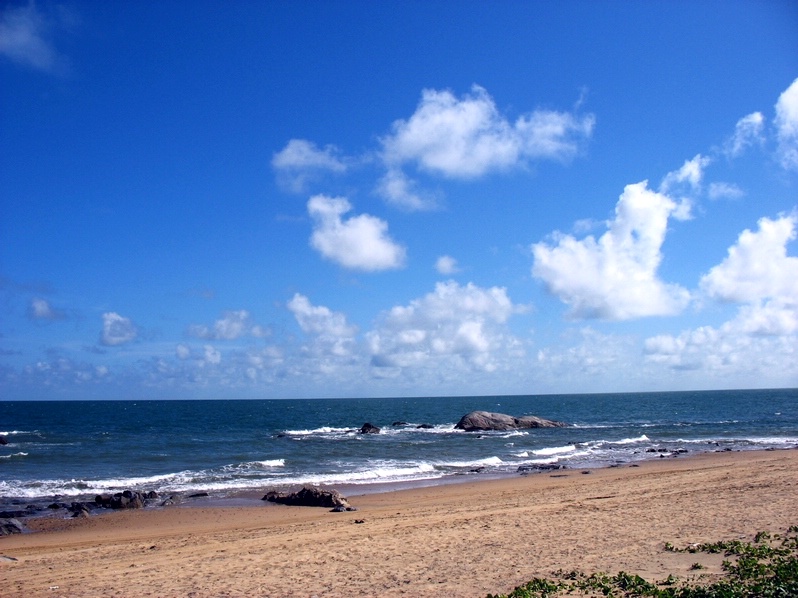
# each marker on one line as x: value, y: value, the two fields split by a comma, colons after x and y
x: 398, y: 198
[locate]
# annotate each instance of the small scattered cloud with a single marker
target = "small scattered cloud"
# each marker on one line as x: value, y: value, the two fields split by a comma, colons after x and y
x: 26, y: 34
x: 787, y: 127
x: 41, y: 310
x: 360, y: 242
x: 446, y: 265
x: 747, y: 132
x: 117, y: 330
x: 615, y: 277
x: 231, y: 326
x: 302, y: 161
x: 333, y: 335
x: 721, y: 190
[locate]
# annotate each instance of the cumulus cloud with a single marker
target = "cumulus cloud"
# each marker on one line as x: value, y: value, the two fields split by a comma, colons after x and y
x: 41, y: 310
x: 453, y: 325
x: 117, y: 330
x: 787, y: 126
x: 686, y: 180
x: 759, y: 275
x: 446, y: 265
x: 757, y: 266
x: 467, y: 137
x: 747, y: 132
x: 232, y: 325
x: 301, y: 161
x: 333, y: 336
x: 360, y: 242
x: 615, y: 277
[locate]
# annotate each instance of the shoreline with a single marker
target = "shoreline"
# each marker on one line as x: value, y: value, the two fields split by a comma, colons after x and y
x: 461, y: 539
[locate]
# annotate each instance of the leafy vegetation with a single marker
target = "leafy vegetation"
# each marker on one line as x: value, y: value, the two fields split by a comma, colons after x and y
x: 767, y: 567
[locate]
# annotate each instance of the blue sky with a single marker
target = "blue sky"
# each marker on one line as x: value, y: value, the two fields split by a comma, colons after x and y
x: 335, y: 199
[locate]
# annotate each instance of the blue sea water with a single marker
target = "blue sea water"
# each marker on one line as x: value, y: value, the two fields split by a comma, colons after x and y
x: 228, y: 447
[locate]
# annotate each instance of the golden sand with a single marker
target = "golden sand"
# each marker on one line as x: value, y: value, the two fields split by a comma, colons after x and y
x: 465, y: 539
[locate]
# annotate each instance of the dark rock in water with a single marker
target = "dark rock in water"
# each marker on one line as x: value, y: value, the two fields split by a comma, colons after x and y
x: 424, y: 427
x: 3, y: 440
x: 368, y: 428
x: 199, y: 495
x: 13, y: 514
x: 10, y: 526
x: 484, y: 420
x: 309, y: 496
x: 400, y: 423
x: 540, y: 467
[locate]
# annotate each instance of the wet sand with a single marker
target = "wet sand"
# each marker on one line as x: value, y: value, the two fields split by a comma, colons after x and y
x: 465, y: 539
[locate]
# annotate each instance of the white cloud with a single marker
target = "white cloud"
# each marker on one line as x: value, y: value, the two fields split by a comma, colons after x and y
x: 720, y: 190
x: 40, y: 309
x: 686, y: 180
x: 446, y: 265
x: 614, y: 278
x: 467, y: 138
x: 403, y: 192
x: 117, y: 330
x: 334, y: 338
x: 453, y: 326
x: 301, y: 161
x: 182, y: 351
x: 211, y: 356
x: 757, y: 266
x: 787, y: 126
x: 360, y: 242
x: 232, y: 325
x: 761, y: 338
x: 26, y: 35
x: 317, y: 319
x: 747, y: 132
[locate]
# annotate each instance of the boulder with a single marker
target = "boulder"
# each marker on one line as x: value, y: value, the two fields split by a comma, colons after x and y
x: 368, y: 428
x: 484, y: 420
x: 310, y: 496
x: 10, y: 526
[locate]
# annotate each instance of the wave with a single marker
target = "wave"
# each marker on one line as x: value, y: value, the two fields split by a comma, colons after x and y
x: 19, y: 454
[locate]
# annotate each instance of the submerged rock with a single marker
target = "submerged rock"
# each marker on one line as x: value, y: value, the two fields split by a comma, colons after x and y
x: 368, y: 428
x: 485, y: 420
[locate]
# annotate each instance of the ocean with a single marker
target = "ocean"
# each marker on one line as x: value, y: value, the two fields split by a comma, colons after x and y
x: 75, y: 449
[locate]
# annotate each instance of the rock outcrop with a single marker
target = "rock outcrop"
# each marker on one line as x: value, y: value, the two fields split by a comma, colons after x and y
x: 368, y: 428
x: 310, y: 496
x: 484, y: 420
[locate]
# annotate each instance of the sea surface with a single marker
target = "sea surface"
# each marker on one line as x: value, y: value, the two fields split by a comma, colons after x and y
x: 229, y: 447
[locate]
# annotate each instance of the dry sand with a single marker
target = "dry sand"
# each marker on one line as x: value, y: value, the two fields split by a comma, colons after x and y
x: 451, y: 540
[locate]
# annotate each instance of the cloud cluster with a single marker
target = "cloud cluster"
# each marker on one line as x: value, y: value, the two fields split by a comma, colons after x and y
x: 232, y: 325
x: 762, y: 279
x: 359, y: 242
x: 454, y: 326
x: 467, y: 137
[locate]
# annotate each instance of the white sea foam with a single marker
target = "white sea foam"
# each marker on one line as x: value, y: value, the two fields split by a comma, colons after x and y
x: 19, y: 454
x: 475, y: 463
x: 555, y: 450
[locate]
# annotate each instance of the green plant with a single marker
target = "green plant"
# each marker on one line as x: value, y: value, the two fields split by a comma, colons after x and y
x: 767, y: 567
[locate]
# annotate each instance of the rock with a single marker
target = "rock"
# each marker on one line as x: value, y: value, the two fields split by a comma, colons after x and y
x: 199, y: 495
x: 3, y: 440
x: 10, y: 526
x: 540, y: 467
x: 399, y: 423
x: 484, y: 420
x: 368, y: 428
x: 424, y: 427
x: 310, y: 496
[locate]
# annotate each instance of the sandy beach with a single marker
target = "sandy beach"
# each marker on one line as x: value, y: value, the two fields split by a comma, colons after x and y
x: 464, y: 539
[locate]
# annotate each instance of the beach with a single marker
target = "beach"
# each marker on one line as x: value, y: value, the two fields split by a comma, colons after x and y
x: 463, y: 539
